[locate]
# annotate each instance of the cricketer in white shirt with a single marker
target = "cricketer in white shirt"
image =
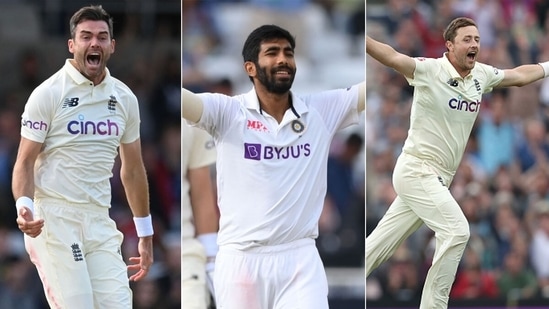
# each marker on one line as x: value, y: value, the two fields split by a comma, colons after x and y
x: 446, y: 102
x: 271, y: 180
x: 198, y: 152
x: 81, y: 127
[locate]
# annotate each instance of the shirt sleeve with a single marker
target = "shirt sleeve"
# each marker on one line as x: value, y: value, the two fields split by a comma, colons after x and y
x: 131, y: 133
x: 338, y: 107
x: 203, y: 151
x: 493, y: 76
x: 426, y: 70
x: 37, y: 115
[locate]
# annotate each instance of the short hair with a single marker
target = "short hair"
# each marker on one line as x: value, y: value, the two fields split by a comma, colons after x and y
x: 92, y: 12
x: 250, y: 51
x: 451, y: 30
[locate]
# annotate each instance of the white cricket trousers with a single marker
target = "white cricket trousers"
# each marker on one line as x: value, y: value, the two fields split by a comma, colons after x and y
x: 423, y: 197
x: 194, y: 291
x: 287, y: 276
x: 78, y: 257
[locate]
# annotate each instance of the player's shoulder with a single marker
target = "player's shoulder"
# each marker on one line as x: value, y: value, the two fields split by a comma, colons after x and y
x: 485, y: 70
x: 121, y: 89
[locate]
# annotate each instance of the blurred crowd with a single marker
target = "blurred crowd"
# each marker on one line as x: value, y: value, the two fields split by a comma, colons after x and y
x: 147, y: 58
x: 329, y: 54
x: 502, y: 184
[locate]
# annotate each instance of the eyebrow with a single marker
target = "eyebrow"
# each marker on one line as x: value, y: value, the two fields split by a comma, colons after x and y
x: 90, y: 32
x: 277, y: 48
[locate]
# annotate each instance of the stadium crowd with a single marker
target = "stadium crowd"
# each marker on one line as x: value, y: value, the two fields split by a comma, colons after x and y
x: 502, y: 184
x: 147, y: 59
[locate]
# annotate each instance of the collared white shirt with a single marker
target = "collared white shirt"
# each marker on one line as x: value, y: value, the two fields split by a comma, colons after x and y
x: 444, y: 109
x: 271, y: 177
x: 81, y: 127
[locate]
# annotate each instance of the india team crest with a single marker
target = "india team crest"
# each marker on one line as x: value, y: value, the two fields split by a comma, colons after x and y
x: 297, y: 126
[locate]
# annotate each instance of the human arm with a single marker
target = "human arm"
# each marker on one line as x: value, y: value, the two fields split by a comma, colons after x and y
x: 134, y: 180
x: 522, y: 75
x: 191, y: 106
x: 206, y: 216
x: 388, y: 56
x: 23, y: 187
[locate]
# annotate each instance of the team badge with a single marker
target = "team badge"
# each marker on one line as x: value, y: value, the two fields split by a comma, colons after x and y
x: 111, y: 104
x: 297, y: 126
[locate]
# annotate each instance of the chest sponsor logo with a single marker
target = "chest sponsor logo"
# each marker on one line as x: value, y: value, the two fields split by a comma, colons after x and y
x: 88, y: 127
x: 463, y: 105
x: 259, y: 152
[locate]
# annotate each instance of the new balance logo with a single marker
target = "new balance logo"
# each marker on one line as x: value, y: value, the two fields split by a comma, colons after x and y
x: 70, y: 102
x: 77, y: 253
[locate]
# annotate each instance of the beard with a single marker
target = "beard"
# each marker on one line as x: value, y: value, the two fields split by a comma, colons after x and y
x: 271, y: 84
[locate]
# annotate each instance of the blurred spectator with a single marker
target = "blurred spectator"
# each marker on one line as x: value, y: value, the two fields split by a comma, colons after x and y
x: 517, y: 280
x: 540, y: 246
x: 496, y: 134
x: 472, y: 282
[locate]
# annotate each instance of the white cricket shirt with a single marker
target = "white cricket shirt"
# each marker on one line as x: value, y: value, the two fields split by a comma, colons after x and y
x: 271, y: 177
x: 197, y: 151
x: 444, y: 109
x: 81, y: 127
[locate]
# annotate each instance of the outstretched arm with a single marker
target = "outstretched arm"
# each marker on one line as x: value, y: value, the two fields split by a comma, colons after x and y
x: 524, y: 75
x: 191, y: 106
x: 388, y: 56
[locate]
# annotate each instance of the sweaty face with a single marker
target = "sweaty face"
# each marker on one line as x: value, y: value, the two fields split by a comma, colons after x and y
x: 465, y: 48
x: 276, y: 66
x: 91, y: 47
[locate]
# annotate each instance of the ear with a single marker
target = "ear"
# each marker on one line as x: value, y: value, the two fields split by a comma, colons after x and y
x: 250, y: 68
x: 449, y: 45
x: 113, y: 43
x: 70, y: 44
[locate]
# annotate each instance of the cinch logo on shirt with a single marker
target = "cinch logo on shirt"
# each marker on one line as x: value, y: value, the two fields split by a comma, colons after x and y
x: 257, y: 152
x: 35, y: 125
x: 463, y: 105
x: 92, y: 128
x: 256, y: 125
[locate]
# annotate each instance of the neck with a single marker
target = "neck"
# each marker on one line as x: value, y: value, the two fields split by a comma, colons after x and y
x: 274, y: 104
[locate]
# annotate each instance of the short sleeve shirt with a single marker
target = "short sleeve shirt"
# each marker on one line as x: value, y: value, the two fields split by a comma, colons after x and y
x: 271, y: 177
x: 444, y: 109
x: 81, y: 127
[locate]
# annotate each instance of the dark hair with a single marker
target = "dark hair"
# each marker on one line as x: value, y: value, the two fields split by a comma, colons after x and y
x: 250, y: 51
x: 451, y: 30
x: 92, y: 12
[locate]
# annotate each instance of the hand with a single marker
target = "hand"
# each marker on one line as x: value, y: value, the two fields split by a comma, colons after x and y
x: 210, y: 267
x: 27, y: 224
x: 143, y: 262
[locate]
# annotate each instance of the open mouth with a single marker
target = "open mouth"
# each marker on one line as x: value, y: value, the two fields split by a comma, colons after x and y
x: 93, y: 59
x: 472, y: 56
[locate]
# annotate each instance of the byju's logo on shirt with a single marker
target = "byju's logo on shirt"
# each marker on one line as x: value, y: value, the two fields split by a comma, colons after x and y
x: 258, y: 152
x: 82, y: 126
x: 462, y: 105
x: 70, y: 102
